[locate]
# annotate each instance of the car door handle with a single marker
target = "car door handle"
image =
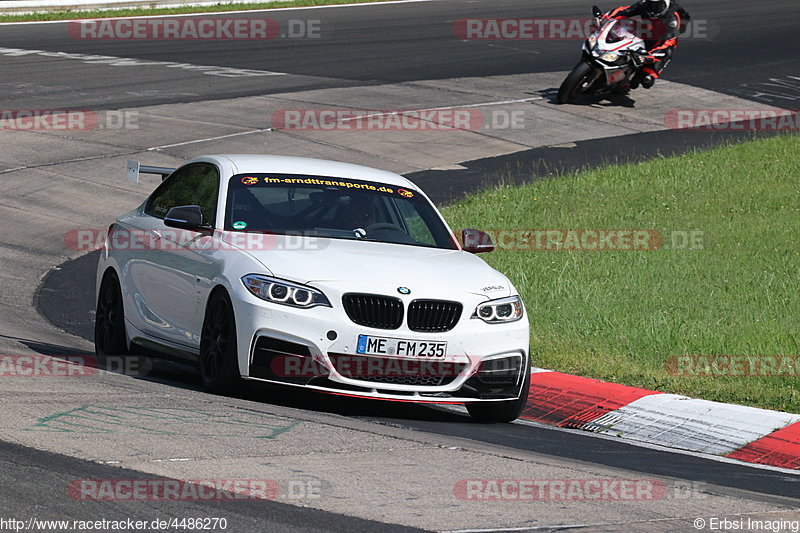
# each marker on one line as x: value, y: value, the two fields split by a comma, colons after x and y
x: 156, y: 234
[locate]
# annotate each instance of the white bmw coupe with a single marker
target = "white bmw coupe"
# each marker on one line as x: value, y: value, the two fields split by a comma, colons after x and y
x: 314, y: 274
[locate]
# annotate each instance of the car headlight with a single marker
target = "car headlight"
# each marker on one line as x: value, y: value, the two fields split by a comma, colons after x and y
x: 499, y: 311
x: 284, y: 292
x: 610, y: 57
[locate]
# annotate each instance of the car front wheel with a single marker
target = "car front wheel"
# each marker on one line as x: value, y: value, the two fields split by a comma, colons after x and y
x: 219, y: 366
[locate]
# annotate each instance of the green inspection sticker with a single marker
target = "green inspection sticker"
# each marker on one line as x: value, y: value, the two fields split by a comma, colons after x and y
x: 239, y: 225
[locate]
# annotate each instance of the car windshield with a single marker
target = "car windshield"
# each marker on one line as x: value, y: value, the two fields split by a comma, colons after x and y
x: 336, y: 208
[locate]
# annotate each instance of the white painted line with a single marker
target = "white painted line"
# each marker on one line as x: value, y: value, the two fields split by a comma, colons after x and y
x: 237, y: 134
x: 564, y: 145
x: 449, y: 167
x: 114, y: 61
x: 510, y: 529
x: 691, y: 424
x: 535, y: 52
x: 200, y: 4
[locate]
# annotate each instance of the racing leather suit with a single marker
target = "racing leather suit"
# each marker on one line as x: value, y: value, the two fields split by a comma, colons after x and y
x: 663, y: 34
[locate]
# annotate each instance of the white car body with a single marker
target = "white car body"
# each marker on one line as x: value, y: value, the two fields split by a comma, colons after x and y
x: 165, y: 292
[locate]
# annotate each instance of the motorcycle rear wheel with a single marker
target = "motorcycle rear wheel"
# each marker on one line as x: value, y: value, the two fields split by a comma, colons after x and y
x: 577, y: 83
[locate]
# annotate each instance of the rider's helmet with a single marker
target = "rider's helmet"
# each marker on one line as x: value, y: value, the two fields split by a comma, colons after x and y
x: 656, y: 8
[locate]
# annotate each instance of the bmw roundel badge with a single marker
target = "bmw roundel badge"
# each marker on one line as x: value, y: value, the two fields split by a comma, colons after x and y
x: 403, y: 290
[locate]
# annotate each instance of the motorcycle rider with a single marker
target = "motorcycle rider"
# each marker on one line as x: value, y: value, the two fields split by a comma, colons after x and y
x: 669, y: 20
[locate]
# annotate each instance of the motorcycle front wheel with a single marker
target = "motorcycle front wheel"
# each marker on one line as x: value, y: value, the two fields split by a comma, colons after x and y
x: 577, y: 83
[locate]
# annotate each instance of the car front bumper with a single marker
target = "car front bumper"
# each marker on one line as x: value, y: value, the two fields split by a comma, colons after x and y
x: 316, y: 349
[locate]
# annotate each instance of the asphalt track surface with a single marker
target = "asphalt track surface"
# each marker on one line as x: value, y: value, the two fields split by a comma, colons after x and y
x: 59, y: 301
x: 746, y: 43
x: 31, y: 477
x: 750, y: 45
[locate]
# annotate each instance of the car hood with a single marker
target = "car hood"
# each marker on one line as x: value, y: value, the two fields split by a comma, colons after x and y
x: 321, y: 261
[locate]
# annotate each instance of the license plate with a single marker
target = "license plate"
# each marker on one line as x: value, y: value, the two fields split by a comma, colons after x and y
x: 369, y: 345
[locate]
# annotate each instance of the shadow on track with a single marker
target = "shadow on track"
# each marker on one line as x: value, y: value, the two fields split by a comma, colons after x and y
x: 602, y: 100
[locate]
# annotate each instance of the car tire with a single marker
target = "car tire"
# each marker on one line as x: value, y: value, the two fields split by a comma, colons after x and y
x: 110, y: 339
x: 218, y: 361
x: 505, y: 411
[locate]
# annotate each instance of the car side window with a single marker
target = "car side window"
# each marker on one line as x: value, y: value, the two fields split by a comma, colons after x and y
x: 196, y: 184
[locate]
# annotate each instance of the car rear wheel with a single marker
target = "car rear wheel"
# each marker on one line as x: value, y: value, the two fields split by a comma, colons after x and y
x: 110, y: 338
x: 505, y: 411
x: 219, y: 366
x: 109, y: 324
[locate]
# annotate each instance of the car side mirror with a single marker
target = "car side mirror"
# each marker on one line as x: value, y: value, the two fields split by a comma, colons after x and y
x: 476, y: 241
x: 184, y: 217
x: 596, y: 12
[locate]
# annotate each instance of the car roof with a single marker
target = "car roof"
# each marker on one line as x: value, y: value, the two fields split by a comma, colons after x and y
x: 257, y: 163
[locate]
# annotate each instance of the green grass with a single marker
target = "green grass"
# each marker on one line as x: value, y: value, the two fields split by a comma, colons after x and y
x: 620, y: 315
x: 221, y: 7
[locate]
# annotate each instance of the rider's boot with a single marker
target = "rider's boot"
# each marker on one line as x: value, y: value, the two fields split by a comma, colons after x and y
x: 636, y: 79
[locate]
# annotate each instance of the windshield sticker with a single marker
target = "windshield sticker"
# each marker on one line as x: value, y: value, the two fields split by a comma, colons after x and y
x: 328, y: 182
x: 323, y: 181
x: 239, y: 224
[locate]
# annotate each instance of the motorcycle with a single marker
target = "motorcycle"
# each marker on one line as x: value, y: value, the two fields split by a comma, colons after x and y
x: 612, y: 55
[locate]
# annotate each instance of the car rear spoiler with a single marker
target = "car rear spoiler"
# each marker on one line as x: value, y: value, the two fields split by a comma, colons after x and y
x: 134, y: 169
